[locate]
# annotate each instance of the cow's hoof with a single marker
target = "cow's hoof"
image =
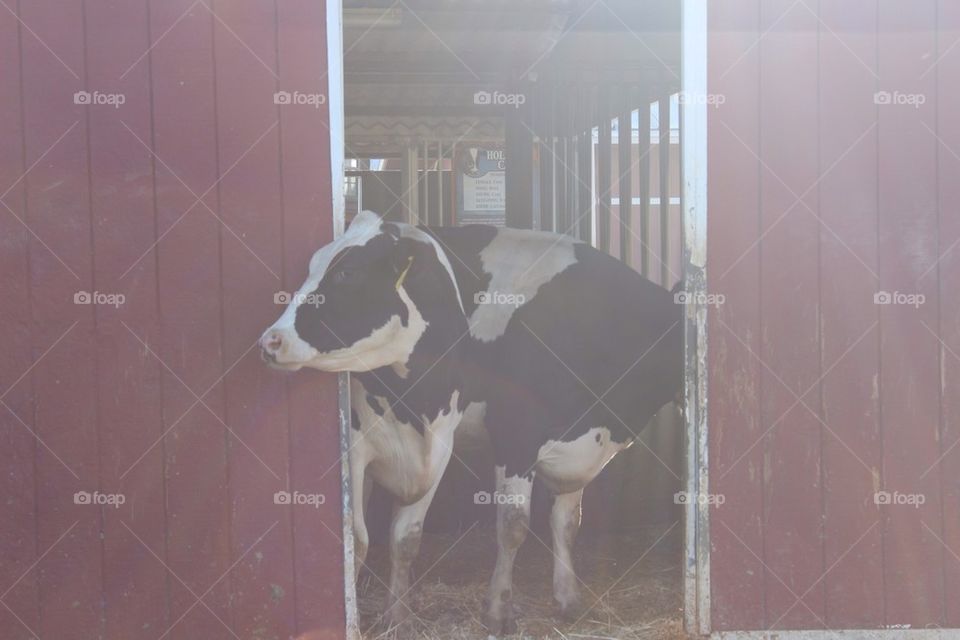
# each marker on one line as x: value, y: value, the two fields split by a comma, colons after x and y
x: 570, y: 611
x: 504, y: 626
x: 397, y: 617
x: 396, y: 626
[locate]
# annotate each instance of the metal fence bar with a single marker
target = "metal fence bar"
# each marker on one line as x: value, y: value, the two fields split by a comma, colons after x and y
x: 603, y: 184
x: 664, y: 152
x: 423, y: 177
x: 559, y: 163
x: 545, y: 133
x: 570, y: 168
x: 625, y: 171
x: 643, y: 149
x: 438, y: 174
x: 585, y: 167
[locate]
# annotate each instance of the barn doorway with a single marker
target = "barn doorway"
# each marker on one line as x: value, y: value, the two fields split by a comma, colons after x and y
x: 564, y: 117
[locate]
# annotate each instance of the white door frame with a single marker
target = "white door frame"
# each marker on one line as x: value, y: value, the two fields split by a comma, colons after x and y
x: 693, y: 171
x: 337, y: 124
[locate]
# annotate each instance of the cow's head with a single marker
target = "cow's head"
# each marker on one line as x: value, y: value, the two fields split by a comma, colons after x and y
x: 369, y: 298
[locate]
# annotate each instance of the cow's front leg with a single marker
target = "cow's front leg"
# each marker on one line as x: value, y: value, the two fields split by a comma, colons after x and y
x: 564, y: 524
x: 405, y: 533
x: 513, y: 521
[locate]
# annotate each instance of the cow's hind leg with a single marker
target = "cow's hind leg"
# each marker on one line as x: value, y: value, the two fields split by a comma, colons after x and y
x: 513, y: 521
x: 564, y: 524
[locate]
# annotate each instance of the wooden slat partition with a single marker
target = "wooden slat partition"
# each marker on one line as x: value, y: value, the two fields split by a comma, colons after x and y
x: 190, y: 202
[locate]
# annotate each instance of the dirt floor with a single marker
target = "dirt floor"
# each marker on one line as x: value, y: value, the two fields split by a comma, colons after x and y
x: 630, y: 584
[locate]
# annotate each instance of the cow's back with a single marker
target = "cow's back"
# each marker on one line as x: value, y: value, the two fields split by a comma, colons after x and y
x: 563, y: 337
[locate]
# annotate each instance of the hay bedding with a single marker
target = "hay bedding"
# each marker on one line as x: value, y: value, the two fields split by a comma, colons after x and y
x: 637, y: 600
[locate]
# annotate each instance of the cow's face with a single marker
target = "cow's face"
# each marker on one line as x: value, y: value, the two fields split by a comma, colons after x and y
x: 366, y: 303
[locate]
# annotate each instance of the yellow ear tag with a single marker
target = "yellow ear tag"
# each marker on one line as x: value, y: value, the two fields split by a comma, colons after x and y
x: 403, y: 274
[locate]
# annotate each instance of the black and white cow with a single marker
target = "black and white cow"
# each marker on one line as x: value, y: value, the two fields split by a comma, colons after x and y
x: 564, y: 353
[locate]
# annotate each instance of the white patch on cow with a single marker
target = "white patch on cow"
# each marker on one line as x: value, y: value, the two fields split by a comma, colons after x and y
x: 564, y: 524
x: 569, y: 466
x: 520, y: 263
x: 472, y: 434
x: 402, y: 460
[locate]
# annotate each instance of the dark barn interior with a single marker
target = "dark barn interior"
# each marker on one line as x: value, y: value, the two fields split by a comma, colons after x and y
x: 581, y: 100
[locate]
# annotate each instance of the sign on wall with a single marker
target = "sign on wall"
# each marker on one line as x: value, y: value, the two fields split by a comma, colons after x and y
x: 481, y: 186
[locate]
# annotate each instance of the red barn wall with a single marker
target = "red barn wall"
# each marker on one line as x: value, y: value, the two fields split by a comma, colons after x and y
x: 196, y: 200
x: 819, y: 197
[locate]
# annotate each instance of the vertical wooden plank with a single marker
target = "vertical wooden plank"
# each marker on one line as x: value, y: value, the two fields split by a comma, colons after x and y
x: 560, y: 159
x: 584, y: 215
x: 546, y: 110
x: 848, y: 263
x: 18, y: 534
x: 251, y: 240
x: 188, y: 256
x: 790, y: 341
x: 519, y: 175
x: 643, y: 151
x: 65, y: 412
x: 571, y: 215
x: 663, y: 173
x: 312, y: 396
x: 909, y: 364
x: 948, y: 130
x: 736, y: 455
x: 625, y: 172
x: 128, y: 381
x: 603, y: 168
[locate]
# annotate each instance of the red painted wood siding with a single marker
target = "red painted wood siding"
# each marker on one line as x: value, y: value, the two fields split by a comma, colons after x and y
x: 196, y: 200
x: 821, y: 196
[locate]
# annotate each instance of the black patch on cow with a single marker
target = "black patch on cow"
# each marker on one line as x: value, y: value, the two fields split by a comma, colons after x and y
x: 433, y: 371
x: 599, y: 439
x: 354, y: 420
x: 356, y: 297
x: 599, y: 318
x: 372, y: 402
x: 463, y: 246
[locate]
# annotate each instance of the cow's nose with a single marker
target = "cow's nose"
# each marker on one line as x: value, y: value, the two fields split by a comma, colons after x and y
x: 272, y: 342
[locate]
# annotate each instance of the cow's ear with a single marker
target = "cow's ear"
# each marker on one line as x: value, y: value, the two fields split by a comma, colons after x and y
x: 391, y: 230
